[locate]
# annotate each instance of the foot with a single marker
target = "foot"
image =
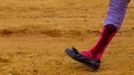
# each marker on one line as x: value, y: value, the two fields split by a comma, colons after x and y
x: 92, y: 63
x: 87, y: 54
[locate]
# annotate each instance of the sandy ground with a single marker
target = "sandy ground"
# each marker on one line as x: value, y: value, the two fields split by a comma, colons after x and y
x: 34, y: 34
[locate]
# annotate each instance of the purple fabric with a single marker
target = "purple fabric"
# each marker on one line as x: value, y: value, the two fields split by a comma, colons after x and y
x: 116, y: 12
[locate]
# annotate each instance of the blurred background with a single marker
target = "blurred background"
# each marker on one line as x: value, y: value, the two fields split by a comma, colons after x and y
x: 34, y: 34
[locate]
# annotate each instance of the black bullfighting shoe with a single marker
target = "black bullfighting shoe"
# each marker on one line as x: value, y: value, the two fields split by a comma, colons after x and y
x: 92, y: 63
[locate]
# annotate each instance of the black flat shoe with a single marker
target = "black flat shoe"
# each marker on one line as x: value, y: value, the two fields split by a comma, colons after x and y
x: 92, y: 63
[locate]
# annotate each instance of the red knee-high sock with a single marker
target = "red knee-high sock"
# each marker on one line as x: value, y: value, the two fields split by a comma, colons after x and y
x: 106, y: 36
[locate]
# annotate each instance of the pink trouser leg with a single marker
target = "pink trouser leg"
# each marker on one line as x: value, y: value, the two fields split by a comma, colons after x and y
x: 105, y: 37
x: 115, y: 16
